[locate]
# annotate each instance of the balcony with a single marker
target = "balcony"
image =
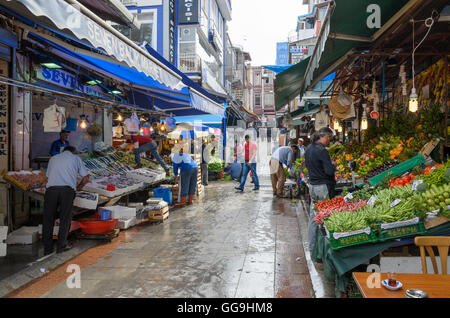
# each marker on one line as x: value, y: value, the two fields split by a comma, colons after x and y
x: 303, y: 35
x: 189, y: 63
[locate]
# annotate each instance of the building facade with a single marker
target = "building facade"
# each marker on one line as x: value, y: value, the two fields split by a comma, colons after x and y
x: 261, y: 92
x: 191, y: 34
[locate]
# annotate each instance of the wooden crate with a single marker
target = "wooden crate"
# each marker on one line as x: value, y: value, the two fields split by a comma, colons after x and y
x: 159, y: 215
x: 429, y: 147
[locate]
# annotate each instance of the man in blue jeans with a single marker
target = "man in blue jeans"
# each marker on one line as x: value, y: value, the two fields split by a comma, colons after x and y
x: 147, y: 144
x: 250, y: 164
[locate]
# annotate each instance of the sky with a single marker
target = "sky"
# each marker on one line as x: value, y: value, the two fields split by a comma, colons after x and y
x: 258, y: 25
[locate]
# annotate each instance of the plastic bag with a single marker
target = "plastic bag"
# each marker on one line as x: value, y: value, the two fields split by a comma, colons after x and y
x: 132, y: 124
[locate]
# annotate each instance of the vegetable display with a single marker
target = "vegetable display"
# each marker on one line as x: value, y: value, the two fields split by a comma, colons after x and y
x: 381, y: 169
x: 436, y: 198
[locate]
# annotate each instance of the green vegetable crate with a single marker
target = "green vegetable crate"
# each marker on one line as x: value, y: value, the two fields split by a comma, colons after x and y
x: 395, y: 230
x: 341, y: 240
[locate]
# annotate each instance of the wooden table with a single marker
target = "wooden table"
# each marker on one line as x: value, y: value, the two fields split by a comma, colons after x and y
x: 436, y: 286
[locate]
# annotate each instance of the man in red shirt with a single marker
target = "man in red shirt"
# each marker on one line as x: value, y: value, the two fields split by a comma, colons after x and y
x: 147, y: 144
x: 250, y: 164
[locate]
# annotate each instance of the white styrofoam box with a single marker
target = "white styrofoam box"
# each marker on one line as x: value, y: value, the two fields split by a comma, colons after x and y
x: 74, y: 225
x: 124, y: 223
x: 24, y: 235
x: 409, y: 264
x: 3, y: 233
x: 85, y: 203
x: 118, y: 212
x: 155, y: 201
x: 3, y: 249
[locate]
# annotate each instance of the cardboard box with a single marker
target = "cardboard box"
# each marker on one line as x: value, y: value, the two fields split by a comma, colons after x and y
x: 3, y: 247
x: 120, y: 212
x: 24, y: 235
x: 124, y: 224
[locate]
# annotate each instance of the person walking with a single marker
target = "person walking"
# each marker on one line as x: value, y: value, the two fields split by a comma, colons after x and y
x: 250, y: 149
x: 188, y: 172
x: 321, y: 171
x: 283, y: 155
x: 147, y: 144
x: 205, y: 162
x: 62, y: 173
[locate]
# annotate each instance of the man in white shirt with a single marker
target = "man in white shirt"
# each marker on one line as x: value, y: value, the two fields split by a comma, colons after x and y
x: 283, y: 155
x: 62, y: 172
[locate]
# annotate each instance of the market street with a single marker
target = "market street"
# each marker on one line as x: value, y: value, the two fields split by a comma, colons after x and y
x: 243, y: 245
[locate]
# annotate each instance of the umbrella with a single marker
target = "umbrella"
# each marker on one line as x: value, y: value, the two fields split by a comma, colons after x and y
x: 187, y: 130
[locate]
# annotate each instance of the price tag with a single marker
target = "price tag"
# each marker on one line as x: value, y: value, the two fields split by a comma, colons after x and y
x: 396, y: 202
x: 371, y: 200
x: 348, y: 197
x: 416, y: 184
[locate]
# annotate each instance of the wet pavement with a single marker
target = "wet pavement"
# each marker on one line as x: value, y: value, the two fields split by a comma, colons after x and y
x: 227, y: 244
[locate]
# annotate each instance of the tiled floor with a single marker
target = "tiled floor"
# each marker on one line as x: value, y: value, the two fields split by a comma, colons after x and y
x: 227, y: 244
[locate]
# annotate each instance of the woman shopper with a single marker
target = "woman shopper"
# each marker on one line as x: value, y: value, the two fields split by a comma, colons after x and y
x: 188, y: 171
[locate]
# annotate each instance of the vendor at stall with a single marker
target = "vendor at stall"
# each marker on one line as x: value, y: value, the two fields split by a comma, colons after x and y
x: 63, y: 170
x: 146, y: 144
x: 188, y: 171
x: 62, y: 142
x: 321, y: 171
x: 281, y: 155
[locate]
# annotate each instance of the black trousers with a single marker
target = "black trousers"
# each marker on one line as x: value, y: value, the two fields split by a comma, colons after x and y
x: 62, y: 198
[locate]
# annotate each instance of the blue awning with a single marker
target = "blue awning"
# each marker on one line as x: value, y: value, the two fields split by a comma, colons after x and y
x: 212, y: 121
x: 153, y: 95
x: 277, y: 68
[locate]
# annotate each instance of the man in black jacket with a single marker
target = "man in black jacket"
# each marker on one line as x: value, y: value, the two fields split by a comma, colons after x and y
x: 321, y: 173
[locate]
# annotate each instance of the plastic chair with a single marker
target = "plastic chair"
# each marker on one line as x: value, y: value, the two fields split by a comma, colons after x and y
x: 442, y: 243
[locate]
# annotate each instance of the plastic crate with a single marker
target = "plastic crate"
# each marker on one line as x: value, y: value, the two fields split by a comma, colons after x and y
x: 164, y: 193
x: 389, y: 231
x: 346, y: 239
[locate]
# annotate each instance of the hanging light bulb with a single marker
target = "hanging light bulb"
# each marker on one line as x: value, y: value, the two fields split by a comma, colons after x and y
x: 413, y: 102
x: 141, y: 131
x: 339, y: 129
x: 83, y: 124
x: 364, y: 123
x: 119, y: 118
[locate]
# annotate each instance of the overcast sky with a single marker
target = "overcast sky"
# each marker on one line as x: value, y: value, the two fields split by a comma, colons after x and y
x: 258, y: 25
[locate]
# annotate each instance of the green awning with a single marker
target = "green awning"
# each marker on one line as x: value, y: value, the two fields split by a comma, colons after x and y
x: 305, y: 111
x: 288, y: 83
x: 345, y: 28
x: 302, y: 112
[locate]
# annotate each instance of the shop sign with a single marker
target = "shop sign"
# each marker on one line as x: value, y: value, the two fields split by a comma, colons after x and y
x: 66, y: 16
x: 172, y: 31
x: 4, y: 117
x: 69, y: 81
x: 188, y: 12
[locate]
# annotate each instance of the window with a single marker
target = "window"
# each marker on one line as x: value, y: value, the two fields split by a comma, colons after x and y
x: 268, y: 100
x: 258, y: 79
x: 147, y: 32
x: 258, y: 100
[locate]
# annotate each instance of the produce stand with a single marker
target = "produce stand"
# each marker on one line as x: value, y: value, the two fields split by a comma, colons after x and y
x: 339, y: 262
x: 399, y: 169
